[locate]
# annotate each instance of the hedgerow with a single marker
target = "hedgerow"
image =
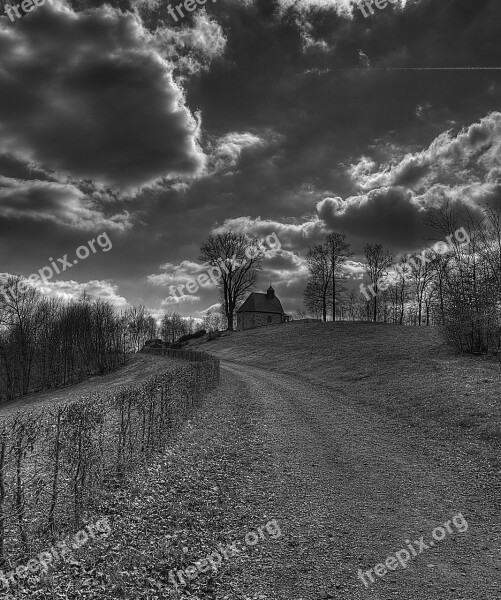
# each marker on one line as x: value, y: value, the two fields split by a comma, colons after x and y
x: 58, y: 465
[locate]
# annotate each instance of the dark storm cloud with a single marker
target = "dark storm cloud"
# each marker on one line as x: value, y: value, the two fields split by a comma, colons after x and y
x: 463, y: 168
x: 89, y: 95
x: 295, y: 140
x: 62, y: 204
x: 11, y: 166
x: 326, y: 116
x: 386, y: 214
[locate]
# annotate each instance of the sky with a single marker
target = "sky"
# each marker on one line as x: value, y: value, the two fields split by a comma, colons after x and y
x: 292, y: 117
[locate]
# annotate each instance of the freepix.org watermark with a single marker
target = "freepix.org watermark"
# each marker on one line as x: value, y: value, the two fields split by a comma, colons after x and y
x: 46, y: 273
x: 404, y: 270
x: 413, y: 549
x: 366, y: 6
x: 188, y: 5
x: 12, y: 10
x: 212, y: 274
x: 62, y: 551
x: 214, y: 559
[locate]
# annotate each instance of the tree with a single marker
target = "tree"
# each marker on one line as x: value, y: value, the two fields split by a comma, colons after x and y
x: 151, y: 328
x: 401, y: 286
x: 470, y: 281
x: 137, y: 326
x: 213, y: 321
x: 46, y: 343
x: 172, y: 327
x: 339, y: 253
x: 421, y: 276
x: 301, y: 313
x: 317, y: 288
x: 233, y: 260
x: 378, y: 262
x: 353, y: 297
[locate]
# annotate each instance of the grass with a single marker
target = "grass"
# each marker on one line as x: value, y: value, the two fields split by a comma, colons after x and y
x: 408, y: 373
x: 139, y: 368
x: 219, y: 480
x: 196, y: 495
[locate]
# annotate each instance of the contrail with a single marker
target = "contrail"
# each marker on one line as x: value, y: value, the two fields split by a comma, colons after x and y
x: 423, y: 69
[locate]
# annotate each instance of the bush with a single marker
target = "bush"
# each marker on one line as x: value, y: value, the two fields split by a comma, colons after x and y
x: 192, y: 336
x: 57, y: 464
x: 156, y: 343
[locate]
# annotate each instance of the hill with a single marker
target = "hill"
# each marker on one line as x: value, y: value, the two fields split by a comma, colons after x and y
x: 139, y: 368
x: 406, y: 372
x: 362, y: 442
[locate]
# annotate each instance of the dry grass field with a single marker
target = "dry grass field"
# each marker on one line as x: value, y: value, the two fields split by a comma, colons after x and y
x: 407, y: 373
x: 353, y: 436
x: 139, y: 368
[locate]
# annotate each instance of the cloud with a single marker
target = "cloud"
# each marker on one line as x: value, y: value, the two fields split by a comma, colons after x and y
x: 191, y: 49
x: 182, y: 299
x: 72, y: 290
x: 63, y: 204
x: 285, y: 268
x: 213, y: 308
x: 178, y: 274
x: 390, y: 214
x: 397, y: 196
x: 326, y: 120
x: 345, y: 9
x: 89, y: 94
x: 229, y: 148
x: 364, y: 60
x: 473, y: 153
x: 13, y: 167
x: 341, y: 7
x: 353, y: 269
x: 295, y: 234
x: 95, y: 289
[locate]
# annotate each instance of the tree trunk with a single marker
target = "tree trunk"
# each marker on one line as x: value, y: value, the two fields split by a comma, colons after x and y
x: 333, y: 296
x: 229, y: 316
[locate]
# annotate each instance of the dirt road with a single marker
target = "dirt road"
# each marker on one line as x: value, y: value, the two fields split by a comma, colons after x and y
x: 350, y: 487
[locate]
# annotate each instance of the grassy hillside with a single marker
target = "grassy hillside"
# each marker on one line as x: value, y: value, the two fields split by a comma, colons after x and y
x: 408, y: 372
x: 139, y: 368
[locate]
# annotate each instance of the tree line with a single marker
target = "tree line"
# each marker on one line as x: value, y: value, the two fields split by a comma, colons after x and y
x: 457, y: 288
x: 48, y: 343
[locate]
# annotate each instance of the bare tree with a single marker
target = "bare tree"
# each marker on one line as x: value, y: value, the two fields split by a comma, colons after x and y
x: 213, y: 321
x: 378, y: 263
x: 421, y: 276
x: 470, y: 280
x: 353, y: 297
x: 173, y: 326
x: 339, y: 253
x: 317, y: 290
x: 46, y: 343
x: 137, y: 326
x: 301, y: 313
x: 402, y: 270
x: 234, y: 260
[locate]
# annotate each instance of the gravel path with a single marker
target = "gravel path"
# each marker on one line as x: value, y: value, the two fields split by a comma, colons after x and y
x: 347, y: 485
x: 350, y: 488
